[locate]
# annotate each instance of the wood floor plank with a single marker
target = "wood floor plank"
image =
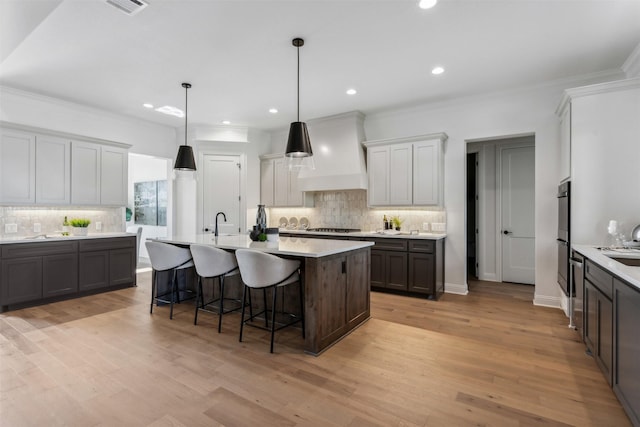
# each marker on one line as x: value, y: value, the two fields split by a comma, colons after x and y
x: 490, y: 358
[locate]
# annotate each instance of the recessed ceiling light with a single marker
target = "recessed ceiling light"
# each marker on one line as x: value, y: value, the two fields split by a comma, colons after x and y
x: 351, y: 91
x: 226, y: 122
x: 172, y: 111
x: 427, y: 4
x: 437, y: 70
x: 147, y: 105
x: 273, y: 110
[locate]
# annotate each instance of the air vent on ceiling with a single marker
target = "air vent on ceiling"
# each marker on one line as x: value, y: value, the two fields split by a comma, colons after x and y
x: 130, y: 7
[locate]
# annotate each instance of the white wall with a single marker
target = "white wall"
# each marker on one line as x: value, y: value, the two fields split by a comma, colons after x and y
x: 49, y: 113
x: 526, y: 111
x: 605, y: 162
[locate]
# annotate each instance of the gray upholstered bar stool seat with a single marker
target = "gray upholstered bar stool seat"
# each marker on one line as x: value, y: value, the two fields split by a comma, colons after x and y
x: 166, y: 257
x: 260, y: 270
x: 214, y: 263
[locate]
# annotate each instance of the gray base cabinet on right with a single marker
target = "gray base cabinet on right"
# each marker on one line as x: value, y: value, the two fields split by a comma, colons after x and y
x: 626, y: 348
x: 611, y: 319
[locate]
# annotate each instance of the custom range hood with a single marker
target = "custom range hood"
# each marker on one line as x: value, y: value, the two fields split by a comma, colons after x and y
x: 338, y: 154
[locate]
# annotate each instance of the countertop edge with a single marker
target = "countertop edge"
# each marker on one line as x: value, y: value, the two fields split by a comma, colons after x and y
x: 368, y: 234
x: 19, y: 240
x: 627, y: 273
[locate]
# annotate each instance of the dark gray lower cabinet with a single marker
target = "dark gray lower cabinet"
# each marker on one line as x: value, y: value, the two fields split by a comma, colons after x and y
x: 59, y: 274
x: 626, y: 345
x: 598, y: 330
x: 107, y: 262
x: 31, y: 272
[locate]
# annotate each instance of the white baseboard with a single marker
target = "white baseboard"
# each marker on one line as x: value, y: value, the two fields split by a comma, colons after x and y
x: 454, y: 288
x: 547, y: 301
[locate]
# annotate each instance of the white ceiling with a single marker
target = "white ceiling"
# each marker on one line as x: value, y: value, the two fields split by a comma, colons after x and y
x: 239, y: 58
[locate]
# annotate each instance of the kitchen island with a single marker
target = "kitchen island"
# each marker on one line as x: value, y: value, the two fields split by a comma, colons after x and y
x: 335, y: 275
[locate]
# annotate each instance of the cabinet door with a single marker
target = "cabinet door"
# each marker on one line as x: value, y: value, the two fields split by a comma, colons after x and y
x: 378, y: 172
x: 396, y: 266
x: 93, y: 270
x: 565, y: 143
x: 332, y: 307
x: 400, y: 174
x: 17, y: 167
x: 122, y: 267
x: 626, y: 377
x: 59, y: 274
x: 427, y: 171
x: 590, y: 316
x: 280, y: 183
x: 85, y: 173
x: 21, y: 280
x: 604, y: 353
x: 266, y: 182
x: 53, y: 170
x: 113, y: 176
x: 358, y: 296
x: 378, y: 269
x: 294, y: 195
x: 422, y: 267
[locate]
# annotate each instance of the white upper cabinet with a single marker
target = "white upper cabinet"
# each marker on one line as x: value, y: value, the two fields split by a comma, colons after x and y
x: 564, y: 111
x: 428, y: 174
x: 279, y: 185
x: 85, y: 173
x: 406, y: 171
x: 114, y: 168
x: 98, y: 174
x: 53, y: 170
x: 266, y: 182
x: 38, y: 168
x: 17, y: 167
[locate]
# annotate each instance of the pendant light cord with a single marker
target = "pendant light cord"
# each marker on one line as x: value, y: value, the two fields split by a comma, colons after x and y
x: 186, y: 113
x: 298, y: 50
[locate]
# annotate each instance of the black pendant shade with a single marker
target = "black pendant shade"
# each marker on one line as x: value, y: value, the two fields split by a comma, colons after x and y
x: 299, y: 144
x: 185, y: 160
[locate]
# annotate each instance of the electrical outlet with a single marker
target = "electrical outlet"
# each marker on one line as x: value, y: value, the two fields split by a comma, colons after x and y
x: 425, y: 226
x: 438, y: 226
x: 37, y: 228
x: 98, y: 225
x: 11, y: 228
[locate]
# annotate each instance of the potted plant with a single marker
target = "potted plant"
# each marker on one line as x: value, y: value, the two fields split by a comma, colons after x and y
x: 397, y: 222
x: 80, y: 226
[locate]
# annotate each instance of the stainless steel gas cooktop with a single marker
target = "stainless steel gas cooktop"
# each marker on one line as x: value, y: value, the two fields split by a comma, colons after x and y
x: 334, y: 230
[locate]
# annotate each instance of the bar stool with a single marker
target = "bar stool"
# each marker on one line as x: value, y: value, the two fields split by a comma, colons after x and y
x: 213, y: 263
x: 166, y: 257
x: 260, y: 270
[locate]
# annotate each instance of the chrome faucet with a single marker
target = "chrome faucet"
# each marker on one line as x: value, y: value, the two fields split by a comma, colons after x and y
x: 215, y: 233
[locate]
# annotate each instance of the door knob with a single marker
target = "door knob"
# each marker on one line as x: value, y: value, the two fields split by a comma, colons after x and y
x: 505, y: 232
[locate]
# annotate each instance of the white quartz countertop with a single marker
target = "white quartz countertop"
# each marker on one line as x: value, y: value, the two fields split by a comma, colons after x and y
x: 627, y: 273
x: 371, y: 234
x: 295, y: 246
x: 58, y: 237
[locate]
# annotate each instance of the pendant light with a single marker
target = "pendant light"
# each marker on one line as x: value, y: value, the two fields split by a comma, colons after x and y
x: 299, y: 144
x: 185, y: 160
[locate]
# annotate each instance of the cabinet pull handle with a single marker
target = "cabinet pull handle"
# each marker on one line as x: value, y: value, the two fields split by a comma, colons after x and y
x: 344, y: 267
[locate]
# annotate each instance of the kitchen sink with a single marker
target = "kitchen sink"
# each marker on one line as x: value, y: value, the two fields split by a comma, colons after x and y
x: 633, y: 262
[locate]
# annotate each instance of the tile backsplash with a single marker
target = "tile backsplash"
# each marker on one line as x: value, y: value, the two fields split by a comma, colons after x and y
x: 348, y: 209
x: 51, y: 219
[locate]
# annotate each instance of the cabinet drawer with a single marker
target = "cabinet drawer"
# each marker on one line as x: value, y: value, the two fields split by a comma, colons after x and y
x: 106, y: 244
x: 428, y: 246
x: 390, y: 244
x: 600, y: 278
x: 20, y: 250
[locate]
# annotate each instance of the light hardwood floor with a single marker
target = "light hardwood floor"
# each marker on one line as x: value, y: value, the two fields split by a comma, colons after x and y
x: 487, y: 359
